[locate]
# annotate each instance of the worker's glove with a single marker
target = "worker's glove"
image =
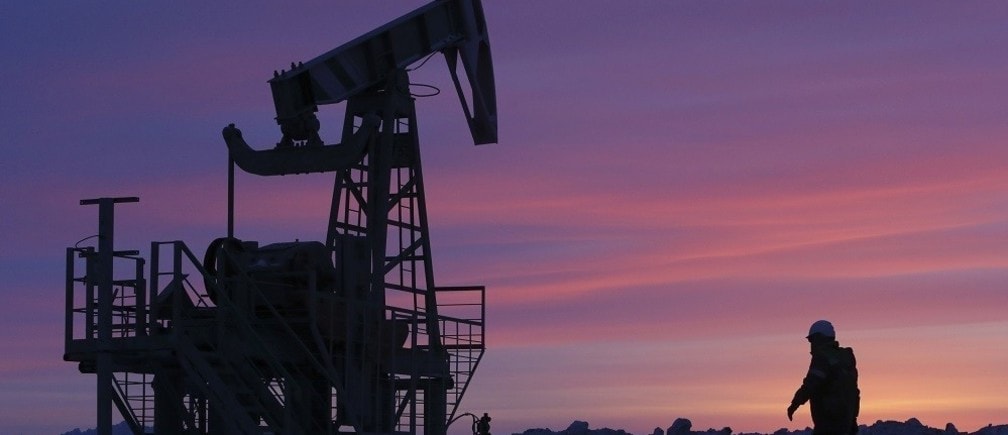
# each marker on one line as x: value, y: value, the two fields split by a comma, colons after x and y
x: 790, y: 411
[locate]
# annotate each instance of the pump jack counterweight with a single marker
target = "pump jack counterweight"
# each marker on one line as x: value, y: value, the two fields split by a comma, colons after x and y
x: 346, y: 335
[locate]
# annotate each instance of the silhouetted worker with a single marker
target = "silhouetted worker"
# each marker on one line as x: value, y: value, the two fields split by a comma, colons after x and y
x: 483, y: 425
x: 830, y: 386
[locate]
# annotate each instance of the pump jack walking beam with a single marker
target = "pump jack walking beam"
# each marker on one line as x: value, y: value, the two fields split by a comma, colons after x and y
x: 454, y: 27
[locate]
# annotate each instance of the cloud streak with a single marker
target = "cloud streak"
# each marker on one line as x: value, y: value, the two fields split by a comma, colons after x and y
x: 680, y: 189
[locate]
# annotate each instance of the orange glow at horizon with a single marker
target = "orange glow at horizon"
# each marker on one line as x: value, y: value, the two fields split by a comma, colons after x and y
x: 749, y: 382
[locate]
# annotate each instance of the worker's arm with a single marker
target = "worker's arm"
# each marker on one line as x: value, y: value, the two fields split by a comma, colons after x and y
x: 813, y: 381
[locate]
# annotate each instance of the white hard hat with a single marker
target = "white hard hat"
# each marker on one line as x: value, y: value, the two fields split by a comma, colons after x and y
x: 823, y: 327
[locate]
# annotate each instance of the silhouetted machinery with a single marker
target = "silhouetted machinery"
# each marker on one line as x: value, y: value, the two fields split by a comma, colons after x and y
x: 349, y: 335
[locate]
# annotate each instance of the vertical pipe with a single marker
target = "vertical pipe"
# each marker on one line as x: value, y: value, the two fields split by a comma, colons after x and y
x: 141, y: 300
x: 100, y: 270
x: 483, y: 316
x: 89, y: 294
x: 334, y: 210
x: 230, y: 199
x: 179, y: 290
x: 104, y: 271
x: 153, y: 282
x: 68, y: 325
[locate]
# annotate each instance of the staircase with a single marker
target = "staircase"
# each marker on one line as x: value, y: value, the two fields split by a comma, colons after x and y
x: 462, y: 314
x: 241, y: 358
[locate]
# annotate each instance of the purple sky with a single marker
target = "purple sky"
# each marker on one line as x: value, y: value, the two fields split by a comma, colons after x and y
x: 679, y: 190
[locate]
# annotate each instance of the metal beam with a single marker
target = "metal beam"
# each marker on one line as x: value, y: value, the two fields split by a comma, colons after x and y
x: 455, y: 27
x: 102, y: 278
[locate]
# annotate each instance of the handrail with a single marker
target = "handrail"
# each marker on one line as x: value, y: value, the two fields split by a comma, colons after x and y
x: 125, y: 410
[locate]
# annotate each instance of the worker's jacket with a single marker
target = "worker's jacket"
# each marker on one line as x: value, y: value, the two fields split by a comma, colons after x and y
x: 831, y: 389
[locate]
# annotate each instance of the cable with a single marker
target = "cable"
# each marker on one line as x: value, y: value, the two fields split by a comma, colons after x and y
x: 473, y: 416
x: 77, y: 245
x: 436, y: 90
x: 429, y: 56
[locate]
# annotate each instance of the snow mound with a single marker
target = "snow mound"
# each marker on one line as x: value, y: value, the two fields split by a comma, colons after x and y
x: 682, y: 426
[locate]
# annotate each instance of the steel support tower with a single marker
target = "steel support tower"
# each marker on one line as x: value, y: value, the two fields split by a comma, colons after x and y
x: 349, y: 335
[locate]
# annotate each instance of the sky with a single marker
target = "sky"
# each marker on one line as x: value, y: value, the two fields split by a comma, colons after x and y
x: 679, y: 190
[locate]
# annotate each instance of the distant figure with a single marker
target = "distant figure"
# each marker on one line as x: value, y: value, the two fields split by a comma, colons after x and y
x: 483, y: 425
x: 830, y: 386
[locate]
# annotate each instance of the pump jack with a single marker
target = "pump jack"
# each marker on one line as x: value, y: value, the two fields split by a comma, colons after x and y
x: 346, y: 336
